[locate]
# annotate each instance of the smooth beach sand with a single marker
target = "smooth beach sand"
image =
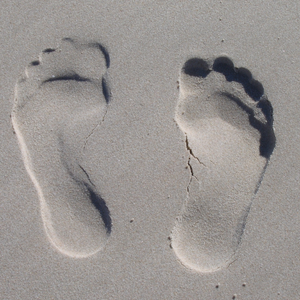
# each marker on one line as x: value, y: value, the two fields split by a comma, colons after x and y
x: 149, y: 150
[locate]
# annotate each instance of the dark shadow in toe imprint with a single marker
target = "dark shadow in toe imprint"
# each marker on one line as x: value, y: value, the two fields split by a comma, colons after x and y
x: 48, y: 50
x: 196, y: 67
x: 256, y: 91
x: 35, y: 63
x: 241, y: 75
x: 200, y: 68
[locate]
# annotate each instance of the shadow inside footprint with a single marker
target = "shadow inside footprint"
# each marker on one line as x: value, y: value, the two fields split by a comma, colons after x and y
x: 242, y: 75
x: 196, y: 67
x: 100, y: 204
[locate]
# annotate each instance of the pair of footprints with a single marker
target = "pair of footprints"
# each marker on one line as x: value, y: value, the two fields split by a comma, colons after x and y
x: 222, y: 111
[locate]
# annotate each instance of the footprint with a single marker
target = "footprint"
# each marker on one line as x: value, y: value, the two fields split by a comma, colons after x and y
x: 227, y: 121
x: 60, y: 100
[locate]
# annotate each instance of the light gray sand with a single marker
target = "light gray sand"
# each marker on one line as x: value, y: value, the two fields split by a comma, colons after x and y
x: 137, y: 158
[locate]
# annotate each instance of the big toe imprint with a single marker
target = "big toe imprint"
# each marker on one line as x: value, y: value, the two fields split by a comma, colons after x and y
x: 227, y: 121
x: 59, y: 101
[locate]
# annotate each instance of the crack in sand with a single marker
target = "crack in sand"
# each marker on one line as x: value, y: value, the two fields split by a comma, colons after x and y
x: 92, y: 131
x: 190, y: 165
x: 189, y: 149
x: 191, y: 177
x: 87, y: 175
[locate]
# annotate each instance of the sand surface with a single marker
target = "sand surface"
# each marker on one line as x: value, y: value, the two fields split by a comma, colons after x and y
x: 188, y: 206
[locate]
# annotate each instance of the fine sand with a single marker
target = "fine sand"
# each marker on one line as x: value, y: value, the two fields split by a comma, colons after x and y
x: 150, y: 150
